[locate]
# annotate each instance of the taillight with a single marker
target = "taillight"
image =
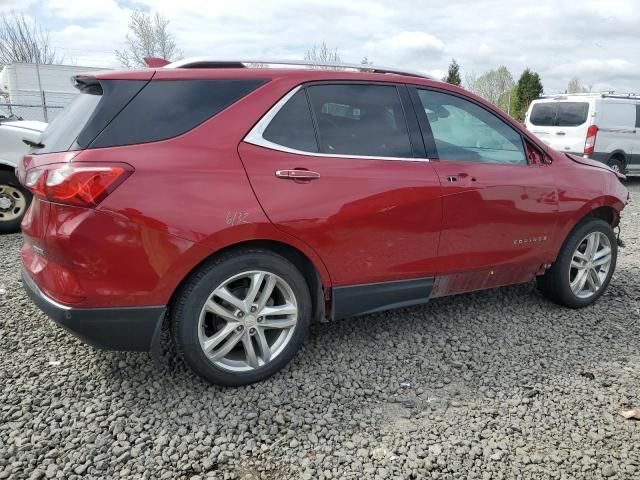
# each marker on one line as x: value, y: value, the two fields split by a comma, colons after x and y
x: 590, y: 142
x: 80, y: 184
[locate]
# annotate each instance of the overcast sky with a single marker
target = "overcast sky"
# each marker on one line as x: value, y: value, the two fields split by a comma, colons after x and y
x: 598, y: 41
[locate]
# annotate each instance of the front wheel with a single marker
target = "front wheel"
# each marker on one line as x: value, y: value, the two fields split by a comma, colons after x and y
x: 584, y: 266
x: 14, y: 201
x: 241, y: 317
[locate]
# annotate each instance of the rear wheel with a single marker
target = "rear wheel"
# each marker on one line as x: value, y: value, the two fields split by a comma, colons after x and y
x: 616, y: 164
x: 14, y: 200
x: 584, y: 266
x: 241, y: 317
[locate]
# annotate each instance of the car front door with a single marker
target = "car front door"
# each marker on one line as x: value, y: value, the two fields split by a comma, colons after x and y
x: 342, y: 168
x: 499, y: 197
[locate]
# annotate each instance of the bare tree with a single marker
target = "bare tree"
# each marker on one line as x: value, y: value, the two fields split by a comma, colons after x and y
x: 492, y: 85
x: 322, y: 54
x: 575, y: 86
x: 148, y: 37
x: 22, y: 41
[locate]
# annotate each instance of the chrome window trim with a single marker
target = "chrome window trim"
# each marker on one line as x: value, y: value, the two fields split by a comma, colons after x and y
x: 255, y: 137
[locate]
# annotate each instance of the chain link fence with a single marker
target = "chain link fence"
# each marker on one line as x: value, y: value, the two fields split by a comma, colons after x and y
x: 33, y: 105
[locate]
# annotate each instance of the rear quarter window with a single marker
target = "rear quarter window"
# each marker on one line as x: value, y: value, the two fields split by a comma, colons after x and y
x: 168, y: 108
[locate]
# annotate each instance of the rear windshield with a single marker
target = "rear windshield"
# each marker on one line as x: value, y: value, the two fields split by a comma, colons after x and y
x: 125, y: 112
x: 62, y: 132
x: 559, y: 114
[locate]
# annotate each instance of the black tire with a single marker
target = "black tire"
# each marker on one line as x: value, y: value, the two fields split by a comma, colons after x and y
x: 555, y: 283
x: 616, y: 164
x: 190, y: 300
x: 9, y: 223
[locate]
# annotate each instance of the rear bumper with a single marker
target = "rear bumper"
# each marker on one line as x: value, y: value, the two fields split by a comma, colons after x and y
x: 123, y: 328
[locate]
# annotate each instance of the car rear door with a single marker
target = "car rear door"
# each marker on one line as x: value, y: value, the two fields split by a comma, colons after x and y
x: 341, y: 166
x: 499, y: 198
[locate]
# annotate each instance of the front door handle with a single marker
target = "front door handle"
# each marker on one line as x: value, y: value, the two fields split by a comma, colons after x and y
x: 297, y: 174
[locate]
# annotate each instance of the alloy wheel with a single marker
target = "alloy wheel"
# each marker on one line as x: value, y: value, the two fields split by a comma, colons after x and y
x: 590, y: 265
x: 247, y: 321
x: 12, y: 203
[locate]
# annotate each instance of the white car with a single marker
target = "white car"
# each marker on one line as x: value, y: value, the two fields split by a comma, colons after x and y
x: 602, y: 126
x: 14, y: 199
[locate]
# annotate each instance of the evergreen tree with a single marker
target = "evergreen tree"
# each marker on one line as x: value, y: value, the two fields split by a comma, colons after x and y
x: 528, y: 88
x: 453, y: 74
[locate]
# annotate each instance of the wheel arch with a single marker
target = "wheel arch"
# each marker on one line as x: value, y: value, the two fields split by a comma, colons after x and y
x: 316, y: 276
x: 606, y: 208
x: 6, y: 167
x: 619, y: 154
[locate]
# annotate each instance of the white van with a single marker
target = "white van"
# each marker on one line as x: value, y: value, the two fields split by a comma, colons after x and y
x: 602, y: 126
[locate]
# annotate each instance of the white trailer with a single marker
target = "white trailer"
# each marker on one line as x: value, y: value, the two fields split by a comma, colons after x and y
x: 37, y: 92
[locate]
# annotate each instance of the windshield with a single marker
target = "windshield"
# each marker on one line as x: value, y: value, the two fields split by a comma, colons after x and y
x: 559, y: 114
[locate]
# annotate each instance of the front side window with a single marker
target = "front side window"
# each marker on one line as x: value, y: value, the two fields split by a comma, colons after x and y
x: 464, y: 131
x: 357, y: 119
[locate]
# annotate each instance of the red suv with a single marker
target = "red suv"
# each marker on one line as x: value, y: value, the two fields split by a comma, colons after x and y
x: 241, y: 204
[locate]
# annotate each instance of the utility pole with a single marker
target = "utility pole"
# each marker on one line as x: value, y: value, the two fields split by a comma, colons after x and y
x: 42, y: 99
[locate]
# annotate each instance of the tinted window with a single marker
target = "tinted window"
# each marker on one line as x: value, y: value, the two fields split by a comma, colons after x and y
x: 360, y: 120
x: 638, y: 116
x: 465, y: 131
x: 115, y: 95
x: 62, y: 132
x: 559, y: 114
x: 572, y: 114
x: 168, y: 108
x: 292, y: 126
x: 543, y: 114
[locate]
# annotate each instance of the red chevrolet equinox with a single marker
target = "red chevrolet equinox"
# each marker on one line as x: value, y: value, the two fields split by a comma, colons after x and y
x: 239, y: 204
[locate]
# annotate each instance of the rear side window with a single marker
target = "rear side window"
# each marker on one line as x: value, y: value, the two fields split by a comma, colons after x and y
x: 292, y: 126
x: 559, y: 114
x: 168, y: 108
x: 356, y: 119
x: 637, y: 115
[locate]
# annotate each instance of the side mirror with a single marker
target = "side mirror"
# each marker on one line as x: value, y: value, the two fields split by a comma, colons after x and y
x: 536, y: 157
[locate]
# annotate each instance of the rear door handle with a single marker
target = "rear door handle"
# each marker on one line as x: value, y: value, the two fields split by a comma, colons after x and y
x: 461, y: 178
x: 297, y: 174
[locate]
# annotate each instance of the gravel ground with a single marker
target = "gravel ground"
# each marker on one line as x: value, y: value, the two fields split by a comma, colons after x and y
x: 497, y: 384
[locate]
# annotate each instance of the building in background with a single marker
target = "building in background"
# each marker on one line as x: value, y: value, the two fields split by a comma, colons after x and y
x: 37, y: 92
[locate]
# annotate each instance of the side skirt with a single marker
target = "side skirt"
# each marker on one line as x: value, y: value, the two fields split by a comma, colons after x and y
x: 352, y: 300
